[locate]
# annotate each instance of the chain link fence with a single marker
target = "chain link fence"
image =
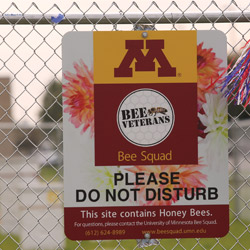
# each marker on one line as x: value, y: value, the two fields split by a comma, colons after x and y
x: 31, y: 166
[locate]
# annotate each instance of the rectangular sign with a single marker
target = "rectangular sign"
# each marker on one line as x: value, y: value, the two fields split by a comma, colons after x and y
x: 160, y: 57
x: 139, y: 96
x: 143, y: 124
x: 145, y: 135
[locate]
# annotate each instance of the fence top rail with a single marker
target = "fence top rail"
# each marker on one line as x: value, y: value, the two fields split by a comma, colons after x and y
x: 127, y: 18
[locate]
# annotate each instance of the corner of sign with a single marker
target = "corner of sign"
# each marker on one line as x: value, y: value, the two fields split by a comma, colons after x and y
x: 67, y: 35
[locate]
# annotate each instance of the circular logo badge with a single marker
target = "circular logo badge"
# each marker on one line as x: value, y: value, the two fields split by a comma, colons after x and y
x: 145, y: 117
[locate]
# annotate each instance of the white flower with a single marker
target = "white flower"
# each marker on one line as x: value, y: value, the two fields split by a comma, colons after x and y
x: 215, y: 120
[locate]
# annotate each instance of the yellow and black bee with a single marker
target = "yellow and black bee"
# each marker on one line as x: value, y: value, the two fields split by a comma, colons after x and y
x: 157, y: 111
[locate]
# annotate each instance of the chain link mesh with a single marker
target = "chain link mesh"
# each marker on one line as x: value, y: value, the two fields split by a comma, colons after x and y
x: 31, y: 167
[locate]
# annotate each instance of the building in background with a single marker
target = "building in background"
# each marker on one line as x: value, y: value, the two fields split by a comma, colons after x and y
x: 7, y: 140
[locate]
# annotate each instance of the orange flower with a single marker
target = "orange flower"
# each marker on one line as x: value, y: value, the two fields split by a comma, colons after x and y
x: 79, y: 97
x: 189, y: 177
x: 208, y: 68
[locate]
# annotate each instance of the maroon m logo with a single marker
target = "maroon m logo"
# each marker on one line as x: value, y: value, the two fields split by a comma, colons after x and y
x: 144, y: 63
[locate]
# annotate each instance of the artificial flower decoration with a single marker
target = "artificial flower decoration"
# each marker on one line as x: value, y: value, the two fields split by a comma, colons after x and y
x: 79, y: 97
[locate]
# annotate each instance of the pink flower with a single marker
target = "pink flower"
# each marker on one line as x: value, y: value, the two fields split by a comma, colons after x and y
x: 79, y: 97
x: 189, y: 177
x: 208, y: 68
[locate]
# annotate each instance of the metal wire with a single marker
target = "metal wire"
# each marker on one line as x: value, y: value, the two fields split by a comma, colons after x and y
x: 31, y: 200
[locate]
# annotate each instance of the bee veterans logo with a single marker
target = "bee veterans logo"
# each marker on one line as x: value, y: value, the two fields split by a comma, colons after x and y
x: 145, y: 117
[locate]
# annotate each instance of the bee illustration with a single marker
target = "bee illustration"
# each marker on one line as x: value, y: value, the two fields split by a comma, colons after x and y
x: 157, y: 111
